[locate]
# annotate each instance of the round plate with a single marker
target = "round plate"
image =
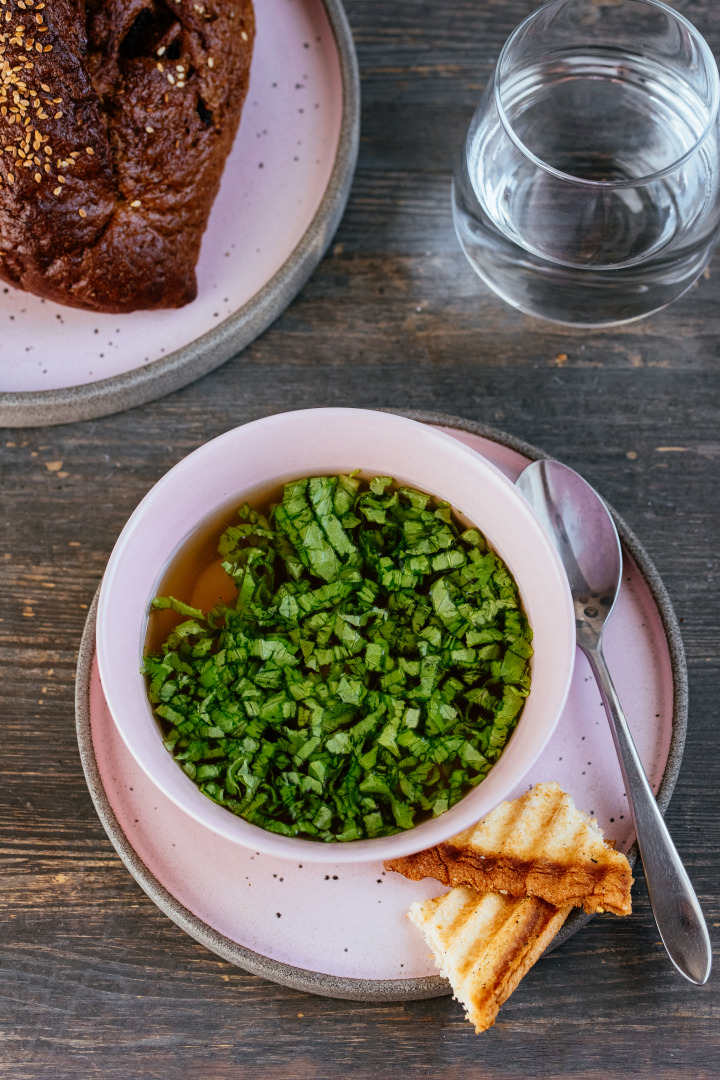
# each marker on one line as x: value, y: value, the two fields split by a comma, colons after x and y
x: 283, y: 191
x: 341, y: 930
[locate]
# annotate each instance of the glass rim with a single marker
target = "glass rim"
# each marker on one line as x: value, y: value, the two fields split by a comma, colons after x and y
x: 710, y: 66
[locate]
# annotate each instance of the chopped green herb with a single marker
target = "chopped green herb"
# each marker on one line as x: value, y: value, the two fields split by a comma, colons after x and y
x: 368, y: 675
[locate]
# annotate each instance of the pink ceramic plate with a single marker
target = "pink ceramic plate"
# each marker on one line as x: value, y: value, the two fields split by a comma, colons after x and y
x: 283, y: 191
x: 342, y: 930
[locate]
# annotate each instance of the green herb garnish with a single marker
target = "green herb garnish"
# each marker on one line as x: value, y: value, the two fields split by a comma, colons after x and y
x: 368, y: 675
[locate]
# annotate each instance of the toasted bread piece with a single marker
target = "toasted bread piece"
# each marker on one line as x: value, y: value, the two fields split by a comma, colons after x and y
x: 538, y: 845
x: 485, y: 944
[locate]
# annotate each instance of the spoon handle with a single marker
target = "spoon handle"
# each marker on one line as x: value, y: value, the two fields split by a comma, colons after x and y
x: 675, y: 905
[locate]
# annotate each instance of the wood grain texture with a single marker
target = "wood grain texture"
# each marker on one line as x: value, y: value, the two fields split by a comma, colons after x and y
x: 95, y: 981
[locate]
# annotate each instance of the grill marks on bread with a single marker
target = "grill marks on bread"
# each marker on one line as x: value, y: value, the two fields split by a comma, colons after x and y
x: 485, y: 944
x: 516, y: 876
x: 538, y: 845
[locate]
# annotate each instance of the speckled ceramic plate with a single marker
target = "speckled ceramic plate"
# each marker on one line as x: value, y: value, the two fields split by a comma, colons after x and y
x: 283, y: 192
x: 342, y: 930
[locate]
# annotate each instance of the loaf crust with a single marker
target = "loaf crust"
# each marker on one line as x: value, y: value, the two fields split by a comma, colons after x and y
x: 116, y: 117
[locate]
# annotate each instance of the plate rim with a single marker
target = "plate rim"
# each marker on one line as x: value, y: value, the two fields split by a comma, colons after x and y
x: 344, y: 987
x: 87, y: 401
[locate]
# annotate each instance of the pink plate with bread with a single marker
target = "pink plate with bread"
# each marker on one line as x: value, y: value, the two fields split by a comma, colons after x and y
x: 282, y: 192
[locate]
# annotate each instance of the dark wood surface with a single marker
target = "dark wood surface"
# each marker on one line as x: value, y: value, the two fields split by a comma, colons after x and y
x: 96, y: 981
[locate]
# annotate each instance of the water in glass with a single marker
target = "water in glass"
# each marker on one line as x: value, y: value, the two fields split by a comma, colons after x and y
x: 588, y: 190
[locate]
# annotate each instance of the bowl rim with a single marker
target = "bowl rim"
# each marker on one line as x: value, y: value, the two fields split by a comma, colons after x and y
x: 124, y: 685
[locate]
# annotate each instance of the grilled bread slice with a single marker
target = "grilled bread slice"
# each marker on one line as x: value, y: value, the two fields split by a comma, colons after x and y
x: 485, y: 944
x: 538, y: 845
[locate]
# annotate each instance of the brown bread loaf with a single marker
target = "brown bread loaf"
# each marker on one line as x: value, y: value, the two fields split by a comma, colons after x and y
x: 116, y: 117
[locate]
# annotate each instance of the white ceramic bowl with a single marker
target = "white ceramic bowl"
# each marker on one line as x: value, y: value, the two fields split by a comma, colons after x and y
x: 324, y: 442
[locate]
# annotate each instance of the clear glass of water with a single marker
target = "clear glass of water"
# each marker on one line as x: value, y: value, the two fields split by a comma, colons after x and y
x: 588, y: 191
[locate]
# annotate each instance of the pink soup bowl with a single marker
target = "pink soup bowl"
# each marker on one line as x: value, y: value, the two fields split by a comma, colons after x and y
x: 313, y: 442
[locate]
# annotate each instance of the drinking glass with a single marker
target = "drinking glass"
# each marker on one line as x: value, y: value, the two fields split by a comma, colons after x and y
x: 588, y: 191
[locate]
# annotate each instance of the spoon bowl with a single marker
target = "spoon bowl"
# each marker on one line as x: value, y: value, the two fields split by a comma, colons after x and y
x: 586, y: 538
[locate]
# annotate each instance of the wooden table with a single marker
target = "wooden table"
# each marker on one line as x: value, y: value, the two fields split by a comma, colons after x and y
x: 96, y: 981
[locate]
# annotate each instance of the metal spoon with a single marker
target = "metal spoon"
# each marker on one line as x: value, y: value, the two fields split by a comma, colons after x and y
x: 584, y: 533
